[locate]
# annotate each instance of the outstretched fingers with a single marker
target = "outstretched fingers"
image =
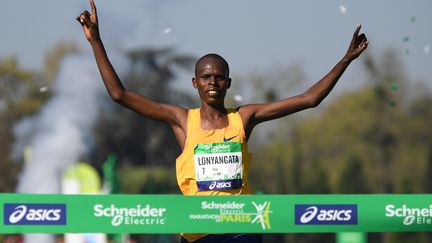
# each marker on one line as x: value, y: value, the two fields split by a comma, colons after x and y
x: 357, y: 31
x: 93, y: 6
x: 358, y: 44
x: 89, y: 23
x: 93, y: 15
x: 359, y: 41
x: 355, y: 38
x: 86, y: 18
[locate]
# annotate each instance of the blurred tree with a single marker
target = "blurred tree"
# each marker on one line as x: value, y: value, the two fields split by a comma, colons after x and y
x: 53, y: 57
x: 19, y: 96
x: 420, y: 116
x: 22, y: 94
x: 376, y: 139
x: 147, y: 180
x: 352, y: 171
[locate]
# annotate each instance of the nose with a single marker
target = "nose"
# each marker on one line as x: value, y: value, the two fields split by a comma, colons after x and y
x: 212, y: 80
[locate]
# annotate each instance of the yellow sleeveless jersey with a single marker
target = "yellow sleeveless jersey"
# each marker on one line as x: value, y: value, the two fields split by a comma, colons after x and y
x: 195, y: 135
x: 199, y: 157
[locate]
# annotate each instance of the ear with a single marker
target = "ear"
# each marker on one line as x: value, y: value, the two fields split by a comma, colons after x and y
x: 229, y: 83
x: 194, y: 84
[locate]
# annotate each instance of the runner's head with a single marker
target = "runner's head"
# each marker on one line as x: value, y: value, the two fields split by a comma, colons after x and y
x: 214, y: 57
x: 212, y: 79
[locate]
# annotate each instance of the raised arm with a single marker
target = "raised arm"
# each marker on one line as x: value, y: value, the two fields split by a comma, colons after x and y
x: 256, y: 113
x: 175, y: 116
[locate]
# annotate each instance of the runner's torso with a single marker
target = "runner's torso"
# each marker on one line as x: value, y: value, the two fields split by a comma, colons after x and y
x: 214, y: 162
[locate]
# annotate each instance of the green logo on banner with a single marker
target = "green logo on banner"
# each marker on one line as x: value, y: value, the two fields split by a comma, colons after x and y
x: 138, y: 215
x: 410, y: 215
x: 235, y: 213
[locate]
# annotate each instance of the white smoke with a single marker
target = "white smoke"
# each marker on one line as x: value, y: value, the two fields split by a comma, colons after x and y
x: 61, y: 133
x: 58, y: 135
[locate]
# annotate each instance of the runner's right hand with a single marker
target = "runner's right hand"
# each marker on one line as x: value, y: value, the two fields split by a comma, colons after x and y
x: 89, y: 23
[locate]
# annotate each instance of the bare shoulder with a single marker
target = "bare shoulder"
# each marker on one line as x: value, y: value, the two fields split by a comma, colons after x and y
x: 177, y: 115
x: 177, y: 120
x: 247, y: 113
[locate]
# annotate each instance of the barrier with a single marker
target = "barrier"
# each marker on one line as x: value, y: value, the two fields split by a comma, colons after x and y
x: 37, y: 213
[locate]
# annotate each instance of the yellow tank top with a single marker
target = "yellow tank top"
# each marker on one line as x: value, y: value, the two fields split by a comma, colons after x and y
x: 195, y: 135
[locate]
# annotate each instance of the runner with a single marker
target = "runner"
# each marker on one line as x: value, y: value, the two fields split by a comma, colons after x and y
x: 215, y: 158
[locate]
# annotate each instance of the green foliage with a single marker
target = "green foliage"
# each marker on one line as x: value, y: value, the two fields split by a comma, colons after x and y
x: 22, y: 93
x: 148, y: 180
x: 18, y: 97
x: 357, y: 145
x: 376, y: 139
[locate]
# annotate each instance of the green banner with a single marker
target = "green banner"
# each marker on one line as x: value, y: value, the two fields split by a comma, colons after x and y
x: 351, y: 237
x: 35, y: 213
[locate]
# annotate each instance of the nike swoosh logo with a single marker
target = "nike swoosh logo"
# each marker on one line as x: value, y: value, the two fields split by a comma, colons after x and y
x: 229, y: 139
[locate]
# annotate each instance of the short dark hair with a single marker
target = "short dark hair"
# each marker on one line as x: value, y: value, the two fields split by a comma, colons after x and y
x: 212, y: 56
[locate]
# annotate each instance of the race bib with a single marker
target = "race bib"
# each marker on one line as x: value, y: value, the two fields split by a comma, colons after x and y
x: 218, y: 166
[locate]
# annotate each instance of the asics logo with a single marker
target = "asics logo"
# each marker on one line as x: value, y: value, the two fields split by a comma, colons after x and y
x: 34, y: 214
x: 220, y: 185
x: 326, y: 214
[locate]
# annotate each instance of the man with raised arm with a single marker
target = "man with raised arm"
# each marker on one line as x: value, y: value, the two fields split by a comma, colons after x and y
x: 215, y: 158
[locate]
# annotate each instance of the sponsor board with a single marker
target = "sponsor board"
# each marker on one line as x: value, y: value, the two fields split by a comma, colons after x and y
x: 142, y: 214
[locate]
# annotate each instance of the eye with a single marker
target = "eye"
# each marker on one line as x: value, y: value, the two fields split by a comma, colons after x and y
x: 220, y: 77
x: 206, y: 76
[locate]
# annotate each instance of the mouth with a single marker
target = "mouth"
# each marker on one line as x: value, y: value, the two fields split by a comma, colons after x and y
x: 213, y: 92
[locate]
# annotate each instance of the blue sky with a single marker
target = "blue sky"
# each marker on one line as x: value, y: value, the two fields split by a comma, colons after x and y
x: 250, y: 34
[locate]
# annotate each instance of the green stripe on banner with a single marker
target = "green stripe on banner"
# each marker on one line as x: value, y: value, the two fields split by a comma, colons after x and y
x: 35, y: 213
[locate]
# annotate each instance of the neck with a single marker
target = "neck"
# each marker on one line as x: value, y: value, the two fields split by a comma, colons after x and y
x: 213, y: 117
x: 213, y: 110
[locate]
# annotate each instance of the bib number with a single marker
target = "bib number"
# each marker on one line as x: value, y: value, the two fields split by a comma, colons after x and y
x: 218, y: 166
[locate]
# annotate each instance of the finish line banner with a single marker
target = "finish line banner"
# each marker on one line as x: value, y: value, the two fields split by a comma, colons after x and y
x: 57, y: 213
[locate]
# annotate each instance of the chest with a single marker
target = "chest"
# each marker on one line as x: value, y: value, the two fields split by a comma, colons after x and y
x: 214, y: 123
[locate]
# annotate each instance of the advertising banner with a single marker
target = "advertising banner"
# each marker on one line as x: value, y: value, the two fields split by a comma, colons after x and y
x: 36, y: 213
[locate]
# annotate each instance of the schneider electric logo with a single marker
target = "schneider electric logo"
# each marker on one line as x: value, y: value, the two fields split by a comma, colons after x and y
x: 138, y: 215
x: 325, y: 214
x: 410, y: 215
x: 34, y: 214
x: 235, y: 213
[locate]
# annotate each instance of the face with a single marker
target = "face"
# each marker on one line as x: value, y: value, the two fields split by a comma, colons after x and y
x: 212, y: 81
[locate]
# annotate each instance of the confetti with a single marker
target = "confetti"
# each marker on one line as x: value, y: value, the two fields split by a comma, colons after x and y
x: 413, y: 19
x: 406, y: 39
x: 394, y: 86
x: 426, y: 49
x: 342, y: 9
x: 43, y: 89
x: 167, y: 31
x: 238, y: 98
